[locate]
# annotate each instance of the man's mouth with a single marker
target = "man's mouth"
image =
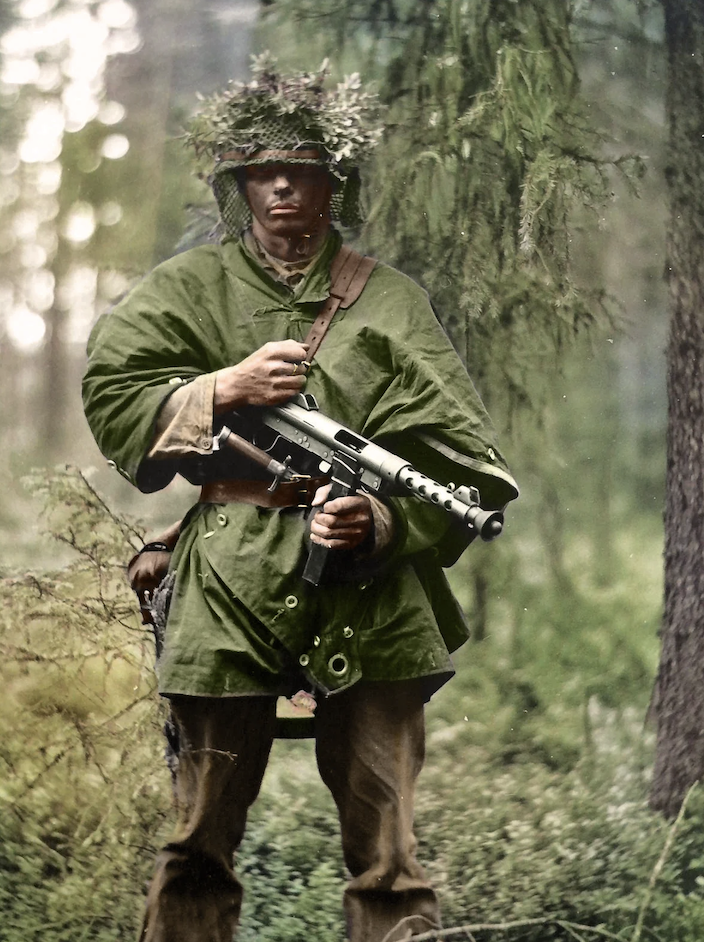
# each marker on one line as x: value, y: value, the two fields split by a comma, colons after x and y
x: 284, y: 209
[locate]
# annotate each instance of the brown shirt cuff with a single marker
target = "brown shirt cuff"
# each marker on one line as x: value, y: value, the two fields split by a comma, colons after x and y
x: 185, y: 423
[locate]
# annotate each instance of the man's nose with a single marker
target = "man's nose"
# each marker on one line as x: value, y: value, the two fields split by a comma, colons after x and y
x: 282, y: 184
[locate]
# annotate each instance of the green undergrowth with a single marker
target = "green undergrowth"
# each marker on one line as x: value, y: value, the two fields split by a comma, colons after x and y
x: 532, y: 812
x: 506, y: 841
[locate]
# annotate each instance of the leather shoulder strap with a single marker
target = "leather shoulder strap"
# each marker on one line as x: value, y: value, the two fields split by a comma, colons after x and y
x: 349, y: 274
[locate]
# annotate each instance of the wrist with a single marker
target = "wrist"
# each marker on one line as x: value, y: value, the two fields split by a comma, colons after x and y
x: 227, y: 392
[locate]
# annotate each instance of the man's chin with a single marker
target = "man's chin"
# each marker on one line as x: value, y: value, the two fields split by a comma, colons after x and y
x: 292, y: 229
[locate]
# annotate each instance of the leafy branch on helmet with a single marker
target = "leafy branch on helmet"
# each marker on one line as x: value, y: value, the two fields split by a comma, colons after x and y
x: 297, y: 107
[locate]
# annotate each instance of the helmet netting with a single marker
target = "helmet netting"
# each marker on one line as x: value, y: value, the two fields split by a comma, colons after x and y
x: 283, y: 133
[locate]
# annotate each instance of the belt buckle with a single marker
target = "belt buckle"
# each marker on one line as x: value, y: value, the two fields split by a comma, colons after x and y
x: 302, y: 482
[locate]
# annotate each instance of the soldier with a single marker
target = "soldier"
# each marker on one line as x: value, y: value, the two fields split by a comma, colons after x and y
x: 225, y: 327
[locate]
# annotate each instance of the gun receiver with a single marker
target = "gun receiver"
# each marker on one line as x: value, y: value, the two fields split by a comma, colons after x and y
x: 356, y: 462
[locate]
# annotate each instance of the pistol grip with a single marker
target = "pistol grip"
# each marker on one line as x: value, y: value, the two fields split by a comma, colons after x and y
x: 318, y: 554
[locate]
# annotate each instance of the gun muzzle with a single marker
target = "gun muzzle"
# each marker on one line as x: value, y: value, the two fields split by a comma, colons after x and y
x: 487, y: 523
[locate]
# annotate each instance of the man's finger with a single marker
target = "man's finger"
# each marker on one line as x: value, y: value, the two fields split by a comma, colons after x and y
x: 337, y: 522
x: 287, y: 368
x: 288, y: 381
x: 321, y: 495
x: 286, y: 385
x: 288, y: 350
x: 342, y: 506
x: 323, y: 521
x: 331, y: 543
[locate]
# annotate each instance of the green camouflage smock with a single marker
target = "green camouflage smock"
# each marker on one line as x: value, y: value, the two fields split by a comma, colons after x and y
x: 241, y: 619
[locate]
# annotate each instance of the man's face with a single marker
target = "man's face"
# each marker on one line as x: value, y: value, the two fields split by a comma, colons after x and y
x: 287, y: 199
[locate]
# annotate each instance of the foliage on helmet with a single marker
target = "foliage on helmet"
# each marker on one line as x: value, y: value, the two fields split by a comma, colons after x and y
x: 288, y: 111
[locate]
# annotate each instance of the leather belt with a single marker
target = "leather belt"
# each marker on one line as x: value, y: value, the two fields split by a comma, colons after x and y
x: 287, y: 494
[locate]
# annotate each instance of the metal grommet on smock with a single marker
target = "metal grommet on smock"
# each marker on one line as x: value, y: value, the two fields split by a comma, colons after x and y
x: 338, y: 665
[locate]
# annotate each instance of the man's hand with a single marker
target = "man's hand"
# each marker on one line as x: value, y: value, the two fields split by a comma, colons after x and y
x: 145, y: 572
x: 343, y: 523
x: 268, y: 377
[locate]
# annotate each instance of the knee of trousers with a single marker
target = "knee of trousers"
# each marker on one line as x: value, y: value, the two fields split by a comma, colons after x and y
x: 192, y: 870
x: 389, y: 864
x: 381, y: 843
x: 191, y: 896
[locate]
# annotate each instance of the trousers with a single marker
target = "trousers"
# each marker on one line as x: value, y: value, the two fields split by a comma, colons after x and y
x: 370, y: 746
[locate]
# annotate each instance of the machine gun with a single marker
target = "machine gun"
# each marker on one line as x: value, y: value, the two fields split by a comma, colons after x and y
x: 354, y: 463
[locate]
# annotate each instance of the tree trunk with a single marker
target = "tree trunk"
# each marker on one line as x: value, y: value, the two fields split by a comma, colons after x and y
x: 678, y: 699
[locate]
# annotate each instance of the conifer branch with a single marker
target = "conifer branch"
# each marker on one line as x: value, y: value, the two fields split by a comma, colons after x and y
x: 68, y: 748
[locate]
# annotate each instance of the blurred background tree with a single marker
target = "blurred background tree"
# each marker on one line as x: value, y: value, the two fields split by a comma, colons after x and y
x: 678, y: 701
x: 94, y: 191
